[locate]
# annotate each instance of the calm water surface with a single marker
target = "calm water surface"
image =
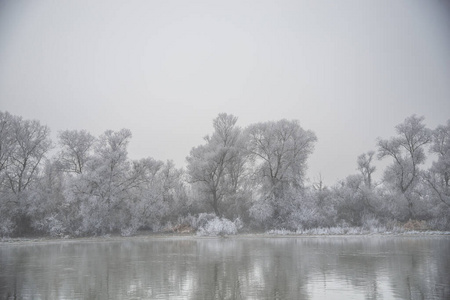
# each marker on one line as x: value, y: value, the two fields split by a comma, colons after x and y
x: 229, y: 268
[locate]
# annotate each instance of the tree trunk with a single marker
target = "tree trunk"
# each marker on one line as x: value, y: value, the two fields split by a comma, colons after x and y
x: 215, y: 204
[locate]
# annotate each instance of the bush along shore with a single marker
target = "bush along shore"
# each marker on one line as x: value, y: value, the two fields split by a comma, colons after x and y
x: 209, y: 225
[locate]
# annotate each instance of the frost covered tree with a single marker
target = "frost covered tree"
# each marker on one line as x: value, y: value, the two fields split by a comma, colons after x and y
x: 366, y: 168
x: 215, y: 168
x: 7, y: 147
x: 7, y: 141
x: 279, y: 151
x: 355, y: 201
x: 116, y: 194
x: 31, y: 143
x: 407, y: 150
x: 438, y: 177
x: 172, y: 182
x: 76, y: 147
x: 23, y: 146
x: 143, y: 205
x: 157, y: 195
x: 48, y: 209
x: 104, y: 185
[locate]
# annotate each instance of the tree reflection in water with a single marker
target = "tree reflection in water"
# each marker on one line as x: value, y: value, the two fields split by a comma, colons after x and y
x: 229, y: 268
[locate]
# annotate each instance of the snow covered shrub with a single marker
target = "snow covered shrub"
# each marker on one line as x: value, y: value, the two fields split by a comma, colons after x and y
x: 55, y: 226
x: 217, y: 226
x: 202, y: 220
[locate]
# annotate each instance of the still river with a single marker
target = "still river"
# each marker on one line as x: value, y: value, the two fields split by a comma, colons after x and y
x: 359, y: 267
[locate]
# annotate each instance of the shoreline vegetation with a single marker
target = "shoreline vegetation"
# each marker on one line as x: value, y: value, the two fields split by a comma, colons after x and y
x: 410, y: 228
x: 142, y: 236
x: 239, y: 180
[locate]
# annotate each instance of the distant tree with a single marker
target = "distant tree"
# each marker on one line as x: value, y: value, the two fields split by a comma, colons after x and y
x: 31, y: 143
x: 105, y: 184
x: 7, y: 140
x: 7, y: 147
x: 47, y: 208
x: 350, y: 204
x: 438, y: 176
x: 215, y: 167
x: 143, y: 204
x: 121, y: 195
x: 408, y: 152
x: 76, y: 146
x: 23, y: 145
x: 173, y: 191
x: 318, y: 185
x: 366, y: 168
x: 279, y: 151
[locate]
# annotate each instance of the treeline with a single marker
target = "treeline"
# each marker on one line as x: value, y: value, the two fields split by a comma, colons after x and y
x: 249, y: 178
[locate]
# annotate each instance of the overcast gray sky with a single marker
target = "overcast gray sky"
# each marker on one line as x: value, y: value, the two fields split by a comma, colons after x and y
x: 348, y: 70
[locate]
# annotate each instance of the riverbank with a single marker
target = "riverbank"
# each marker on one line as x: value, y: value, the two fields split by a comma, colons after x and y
x: 270, y: 234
